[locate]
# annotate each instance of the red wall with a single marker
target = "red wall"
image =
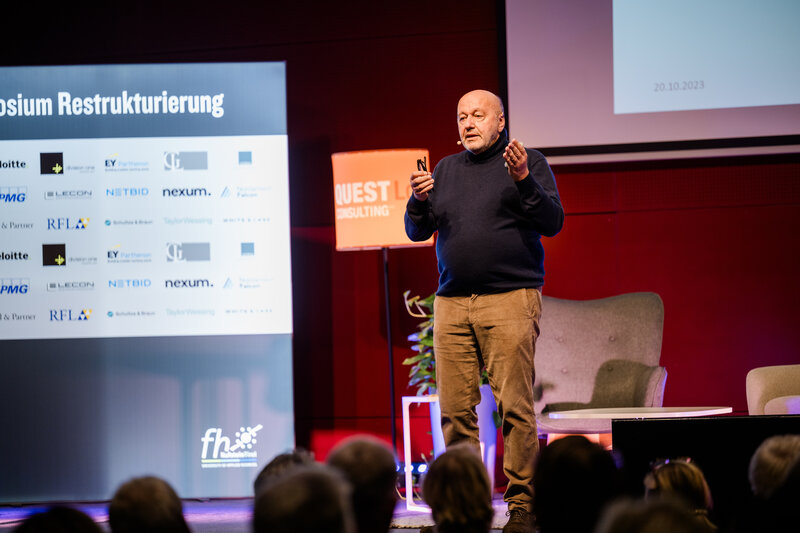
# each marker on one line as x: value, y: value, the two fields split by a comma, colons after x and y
x: 715, y: 238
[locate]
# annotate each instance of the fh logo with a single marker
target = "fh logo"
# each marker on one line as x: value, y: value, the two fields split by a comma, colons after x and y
x: 225, y: 455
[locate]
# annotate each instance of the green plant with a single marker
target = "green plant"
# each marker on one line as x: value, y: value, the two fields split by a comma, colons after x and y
x: 423, y: 365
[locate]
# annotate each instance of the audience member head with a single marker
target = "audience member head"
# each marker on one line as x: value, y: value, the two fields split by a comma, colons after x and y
x: 771, y: 462
x: 458, y: 491
x: 369, y: 465
x: 663, y: 515
x: 573, y: 481
x: 307, y: 499
x: 146, y: 504
x: 280, y: 465
x: 683, y: 481
x: 59, y: 520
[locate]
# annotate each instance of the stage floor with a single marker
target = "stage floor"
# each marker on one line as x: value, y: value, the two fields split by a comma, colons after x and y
x: 225, y: 515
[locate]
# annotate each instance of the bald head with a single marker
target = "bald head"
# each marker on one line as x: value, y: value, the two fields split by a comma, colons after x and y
x: 481, y: 119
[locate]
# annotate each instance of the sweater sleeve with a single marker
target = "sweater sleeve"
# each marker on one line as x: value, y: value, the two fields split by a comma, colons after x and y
x: 419, y: 220
x: 539, y: 194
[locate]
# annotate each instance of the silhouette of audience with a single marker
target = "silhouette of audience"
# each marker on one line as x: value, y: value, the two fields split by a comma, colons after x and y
x: 306, y: 499
x: 662, y: 515
x: 683, y: 481
x: 59, y: 520
x: 771, y: 462
x: 369, y: 465
x: 279, y: 466
x: 458, y: 491
x: 149, y: 504
x: 573, y: 481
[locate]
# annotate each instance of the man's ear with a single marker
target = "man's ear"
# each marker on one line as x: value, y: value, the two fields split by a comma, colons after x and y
x: 502, y: 122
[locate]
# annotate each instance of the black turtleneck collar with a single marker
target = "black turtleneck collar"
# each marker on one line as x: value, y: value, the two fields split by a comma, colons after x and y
x: 498, y: 147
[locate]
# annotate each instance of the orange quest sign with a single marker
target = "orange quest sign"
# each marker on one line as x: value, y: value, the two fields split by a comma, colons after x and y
x: 370, y: 192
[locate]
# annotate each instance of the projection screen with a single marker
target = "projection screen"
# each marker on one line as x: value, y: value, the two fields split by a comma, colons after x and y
x: 145, y: 286
x: 601, y: 80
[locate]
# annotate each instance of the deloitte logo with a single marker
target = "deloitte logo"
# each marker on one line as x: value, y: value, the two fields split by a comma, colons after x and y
x: 4, y: 165
x: 218, y: 452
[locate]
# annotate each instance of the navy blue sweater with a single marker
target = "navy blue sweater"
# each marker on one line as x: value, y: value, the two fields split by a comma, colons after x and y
x: 489, y: 225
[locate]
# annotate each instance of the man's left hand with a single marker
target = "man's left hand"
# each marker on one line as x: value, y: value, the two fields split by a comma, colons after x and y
x: 516, y: 160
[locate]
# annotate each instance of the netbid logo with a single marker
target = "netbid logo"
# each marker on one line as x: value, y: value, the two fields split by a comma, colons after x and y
x: 70, y: 315
x: 223, y: 454
x: 67, y: 223
x: 127, y: 192
x: 14, y: 286
x: 51, y: 163
x: 13, y: 195
x: 54, y: 254
x: 188, y: 251
x: 197, y: 191
x: 185, y: 160
x: 129, y: 283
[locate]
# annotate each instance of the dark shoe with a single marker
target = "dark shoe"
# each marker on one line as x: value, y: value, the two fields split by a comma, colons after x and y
x: 519, y: 521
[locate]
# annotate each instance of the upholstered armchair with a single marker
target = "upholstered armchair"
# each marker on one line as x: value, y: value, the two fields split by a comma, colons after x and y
x: 773, y: 390
x: 598, y: 353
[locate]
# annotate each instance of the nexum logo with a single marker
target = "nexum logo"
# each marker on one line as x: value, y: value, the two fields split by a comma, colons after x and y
x: 223, y: 454
x: 67, y: 223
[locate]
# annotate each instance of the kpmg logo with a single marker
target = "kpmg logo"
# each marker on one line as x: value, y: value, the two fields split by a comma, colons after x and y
x: 188, y: 251
x: 218, y: 452
x: 142, y: 283
x: 59, y: 286
x: 73, y: 194
x: 185, y: 160
x: 54, y: 254
x: 51, y: 163
x: 13, y: 195
x: 67, y: 223
x: 187, y: 283
x: 14, y: 286
x: 70, y: 315
x: 127, y: 192
x: 185, y: 192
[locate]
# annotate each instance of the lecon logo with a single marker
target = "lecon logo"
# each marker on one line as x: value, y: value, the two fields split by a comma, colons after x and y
x: 14, y: 286
x: 188, y: 251
x: 67, y: 223
x: 197, y: 191
x: 185, y: 160
x: 13, y: 195
x: 218, y: 452
x: 70, y: 315
x: 51, y: 163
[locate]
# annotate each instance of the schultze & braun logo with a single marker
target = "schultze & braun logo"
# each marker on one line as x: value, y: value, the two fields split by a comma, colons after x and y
x: 14, y: 286
x: 188, y: 251
x: 185, y: 160
x: 51, y: 163
x: 218, y: 452
x: 13, y: 195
